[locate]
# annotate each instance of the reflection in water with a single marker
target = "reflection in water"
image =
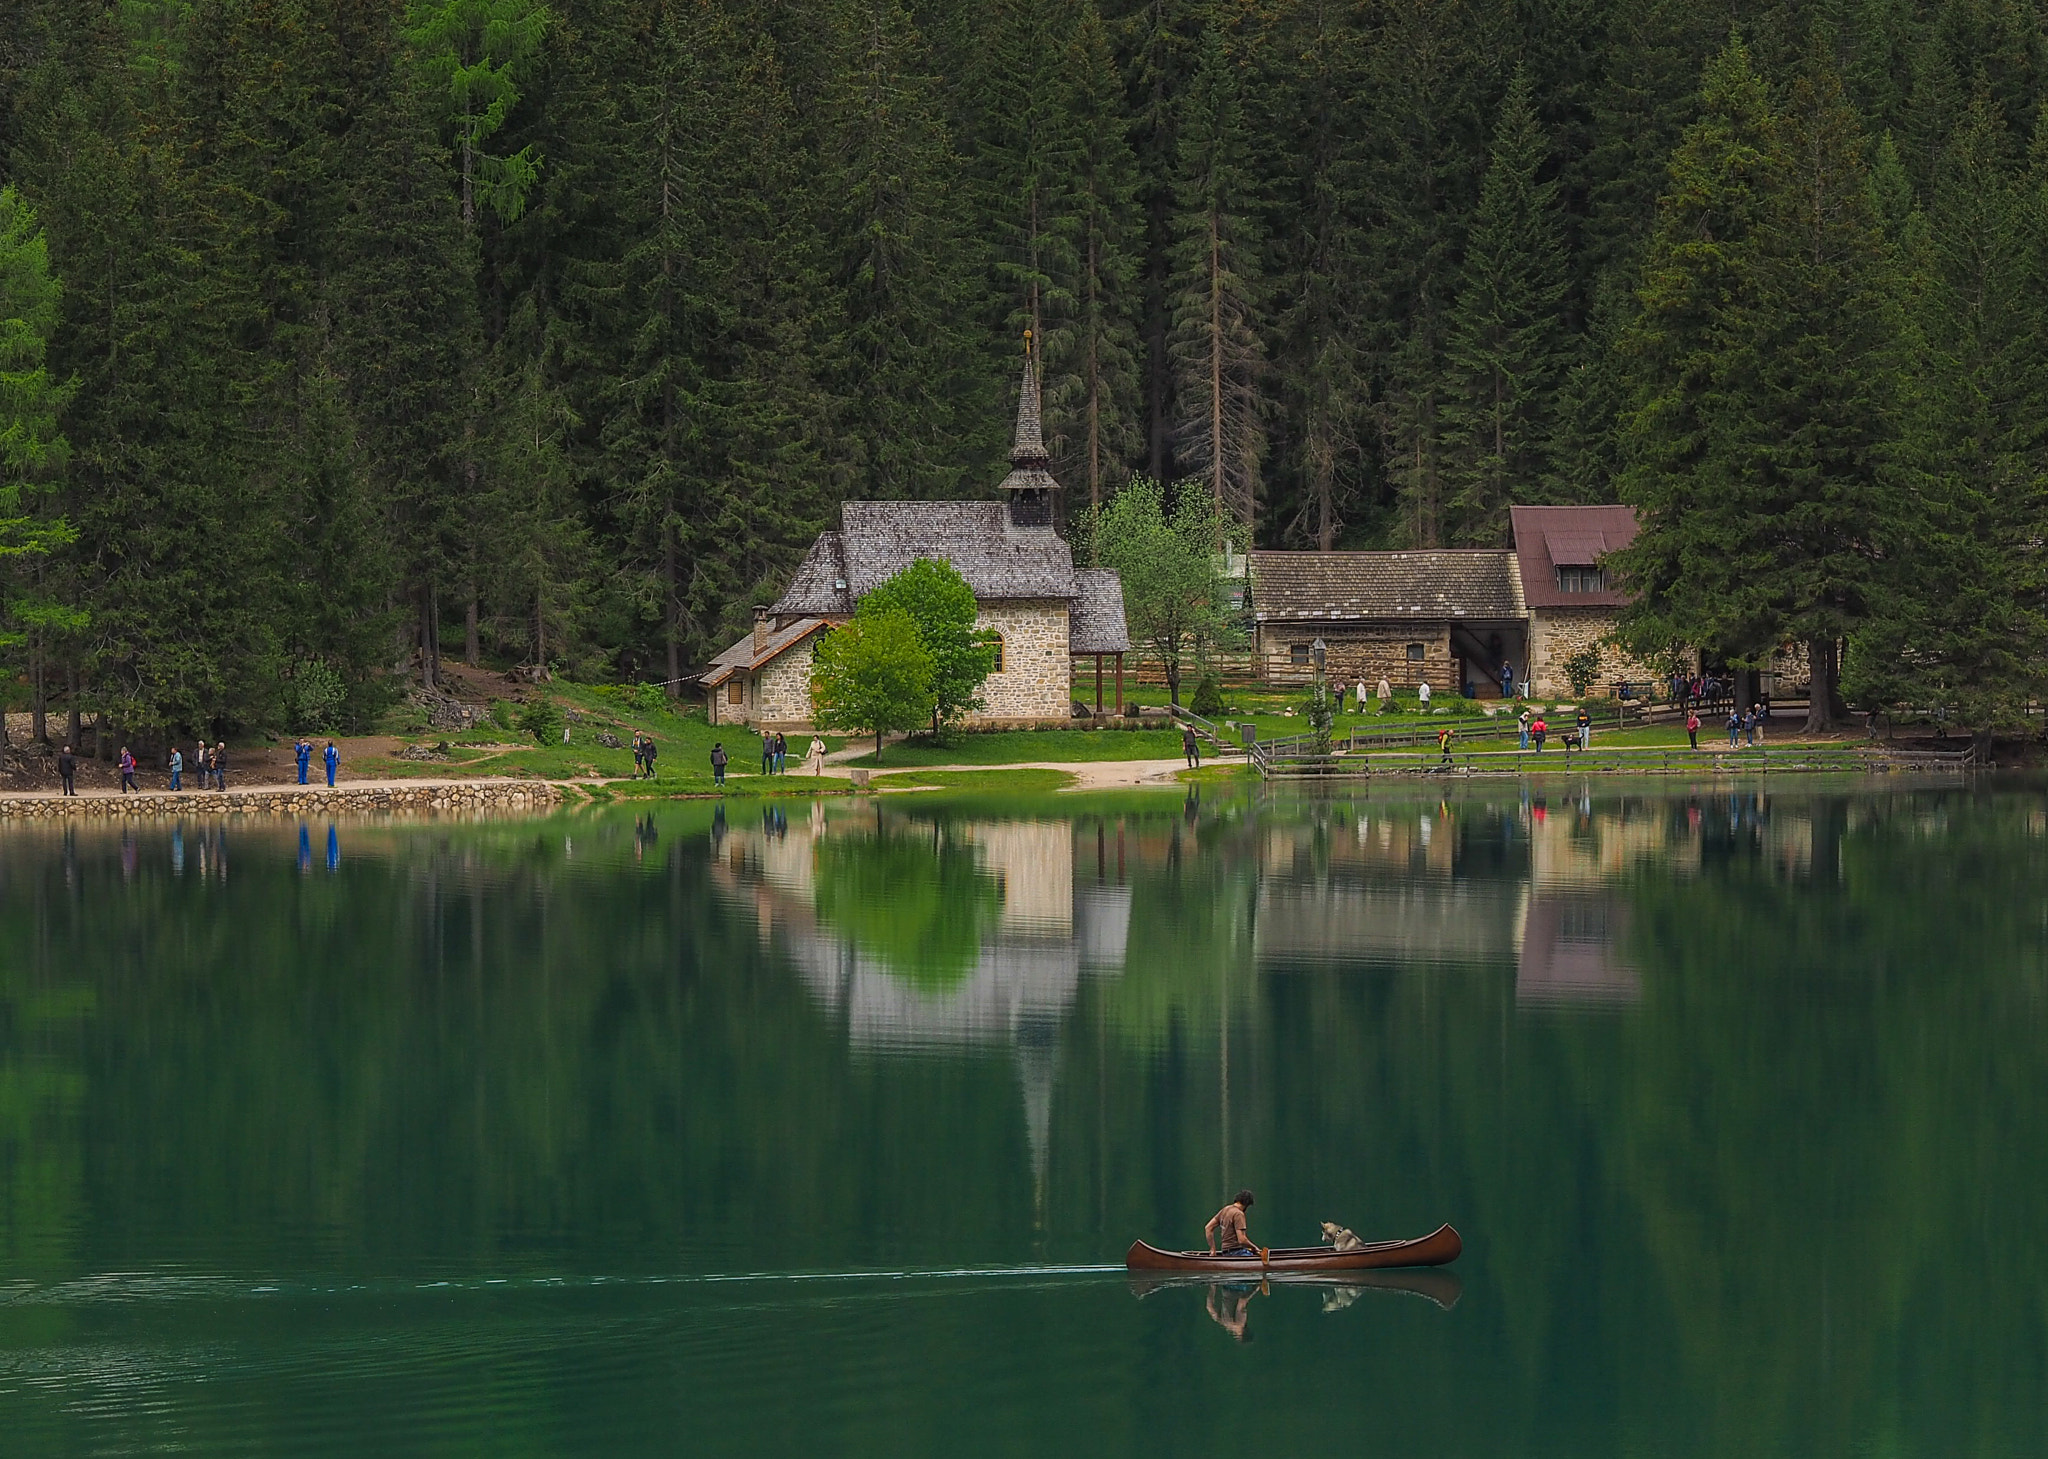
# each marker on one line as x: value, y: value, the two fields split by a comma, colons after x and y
x: 926, y: 934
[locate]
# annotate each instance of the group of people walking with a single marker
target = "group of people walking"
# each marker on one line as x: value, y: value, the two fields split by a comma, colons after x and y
x: 1534, y: 729
x: 774, y: 756
x: 645, y: 752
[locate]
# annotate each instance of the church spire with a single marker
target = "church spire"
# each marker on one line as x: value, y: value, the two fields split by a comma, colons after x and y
x: 1029, y: 486
x: 1028, y: 449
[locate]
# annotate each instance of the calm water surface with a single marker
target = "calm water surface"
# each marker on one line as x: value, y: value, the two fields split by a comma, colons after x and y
x: 822, y: 1130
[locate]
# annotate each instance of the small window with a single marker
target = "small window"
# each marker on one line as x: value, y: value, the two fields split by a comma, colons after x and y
x: 1582, y: 580
x: 1297, y: 654
x: 996, y: 641
x: 735, y: 690
x: 1416, y: 652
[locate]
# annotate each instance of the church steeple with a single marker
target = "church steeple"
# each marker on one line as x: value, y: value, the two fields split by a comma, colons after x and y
x: 1029, y: 486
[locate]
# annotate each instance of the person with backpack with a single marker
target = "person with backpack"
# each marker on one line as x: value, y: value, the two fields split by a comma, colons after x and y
x: 718, y: 763
x: 1443, y: 743
x: 128, y: 772
x: 1537, y: 731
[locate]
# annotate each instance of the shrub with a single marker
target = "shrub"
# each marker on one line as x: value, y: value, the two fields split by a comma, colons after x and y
x: 316, y: 695
x: 1208, y: 700
x: 501, y: 714
x: 543, y: 720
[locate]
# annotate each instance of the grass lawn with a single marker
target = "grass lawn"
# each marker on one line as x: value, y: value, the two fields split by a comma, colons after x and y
x: 1021, y: 782
x: 1012, y: 747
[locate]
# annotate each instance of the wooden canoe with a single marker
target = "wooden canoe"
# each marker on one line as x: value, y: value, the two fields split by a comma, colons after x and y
x: 1439, y: 1247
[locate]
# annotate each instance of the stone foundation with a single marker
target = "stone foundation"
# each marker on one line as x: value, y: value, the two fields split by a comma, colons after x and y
x: 296, y: 802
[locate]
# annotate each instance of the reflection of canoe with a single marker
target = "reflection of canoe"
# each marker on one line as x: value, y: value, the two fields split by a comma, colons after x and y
x: 1440, y: 1246
x: 1442, y: 1288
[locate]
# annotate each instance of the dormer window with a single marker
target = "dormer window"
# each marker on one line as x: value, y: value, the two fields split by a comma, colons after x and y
x: 1582, y: 580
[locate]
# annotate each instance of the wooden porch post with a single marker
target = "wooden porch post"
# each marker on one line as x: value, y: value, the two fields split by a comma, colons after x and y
x: 1119, y: 683
x: 1098, y: 683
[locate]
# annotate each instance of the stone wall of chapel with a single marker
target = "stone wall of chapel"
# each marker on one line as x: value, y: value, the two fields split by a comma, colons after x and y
x: 1359, y: 651
x: 1036, y: 681
x: 1555, y: 634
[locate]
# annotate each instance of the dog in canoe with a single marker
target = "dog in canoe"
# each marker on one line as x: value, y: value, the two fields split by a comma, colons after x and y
x: 1340, y: 1237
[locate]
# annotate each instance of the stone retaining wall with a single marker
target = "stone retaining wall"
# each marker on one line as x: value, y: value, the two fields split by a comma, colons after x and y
x: 388, y: 797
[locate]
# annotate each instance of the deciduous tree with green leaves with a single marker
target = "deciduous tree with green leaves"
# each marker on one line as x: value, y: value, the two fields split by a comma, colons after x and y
x: 1176, y: 602
x: 872, y: 676
x: 942, y: 605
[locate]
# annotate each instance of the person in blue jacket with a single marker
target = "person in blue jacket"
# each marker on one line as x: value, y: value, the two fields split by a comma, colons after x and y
x: 303, y: 753
x: 332, y: 757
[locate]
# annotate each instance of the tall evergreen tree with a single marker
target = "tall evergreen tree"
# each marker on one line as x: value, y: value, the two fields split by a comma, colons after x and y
x: 915, y: 373
x: 1091, y: 368
x: 1507, y: 343
x: 1218, y: 295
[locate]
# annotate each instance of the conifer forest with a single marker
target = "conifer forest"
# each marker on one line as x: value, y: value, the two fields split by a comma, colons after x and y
x: 340, y: 339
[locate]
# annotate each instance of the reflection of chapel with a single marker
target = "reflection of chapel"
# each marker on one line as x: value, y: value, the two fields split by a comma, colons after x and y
x: 1046, y: 613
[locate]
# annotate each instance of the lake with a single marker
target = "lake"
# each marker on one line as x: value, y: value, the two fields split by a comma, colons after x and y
x: 823, y: 1128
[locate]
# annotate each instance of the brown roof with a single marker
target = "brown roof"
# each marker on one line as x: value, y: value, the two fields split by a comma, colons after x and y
x: 744, y: 656
x: 1547, y: 538
x: 1402, y: 586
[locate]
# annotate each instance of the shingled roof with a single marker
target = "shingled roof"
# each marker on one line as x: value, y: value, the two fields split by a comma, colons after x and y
x: 1294, y: 587
x: 1096, y: 624
x: 877, y: 540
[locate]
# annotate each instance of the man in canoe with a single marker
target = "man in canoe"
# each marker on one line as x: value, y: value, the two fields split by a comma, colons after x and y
x: 1227, y: 1232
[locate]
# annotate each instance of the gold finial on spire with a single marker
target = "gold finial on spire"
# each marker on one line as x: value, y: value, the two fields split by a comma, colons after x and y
x: 1027, y: 344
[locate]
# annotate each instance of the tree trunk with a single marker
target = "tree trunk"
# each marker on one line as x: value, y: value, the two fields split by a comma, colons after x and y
x: 878, y: 747
x: 472, y: 642
x: 430, y: 638
x: 671, y: 629
x: 39, y: 705
x: 540, y: 635
x: 1173, y: 681
x: 1823, y: 671
x: 74, y: 731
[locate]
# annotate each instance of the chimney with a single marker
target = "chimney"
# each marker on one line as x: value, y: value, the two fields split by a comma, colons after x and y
x: 761, y: 626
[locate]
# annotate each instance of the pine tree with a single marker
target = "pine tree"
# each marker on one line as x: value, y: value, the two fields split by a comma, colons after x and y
x: 914, y: 371
x: 1965, y: 605
x: 1507, y: 341
x: 1091, y: 377
x: 1767, y: 437
x: 1217, y: 352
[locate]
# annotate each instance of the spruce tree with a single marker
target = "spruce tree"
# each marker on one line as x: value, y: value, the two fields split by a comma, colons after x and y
x: 1217, y: 290
x: 1507, y: 339
x: 1091, y: 368
x: 914, y: 369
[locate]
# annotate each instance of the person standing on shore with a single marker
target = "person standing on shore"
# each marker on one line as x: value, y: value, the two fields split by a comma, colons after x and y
x: 1522, y: 723
x: 331, y: 757
x: 1537, y: 730
x: 1361, y: 696
x: 177, y: 768
x: 1692, y: 728
x: 718, y: 759
x: 220, y: 765
x: 303, y: 753
x: 127, y: 771
x: 1422, y: 695
x: 1190, y: 747
x: 639, y: 755
x: 648, y: 750
x: 1734, y: 727
x: 767, y: 753
x: 781, y: 753
x: 817, y: 756
x: 67, y: 767
x: 1756, y: 724
x: 1585, y: 723
x: 1386, y: 696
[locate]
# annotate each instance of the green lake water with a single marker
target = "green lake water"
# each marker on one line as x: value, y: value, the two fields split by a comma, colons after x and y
x: 823, y: 1129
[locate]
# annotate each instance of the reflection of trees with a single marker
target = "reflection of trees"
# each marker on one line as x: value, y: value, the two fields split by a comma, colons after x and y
x: 1723, y: 1218
x: 916, y: 898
